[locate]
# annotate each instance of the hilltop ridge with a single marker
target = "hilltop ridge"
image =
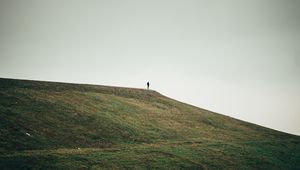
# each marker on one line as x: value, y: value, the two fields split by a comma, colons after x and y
x: 61, y: 125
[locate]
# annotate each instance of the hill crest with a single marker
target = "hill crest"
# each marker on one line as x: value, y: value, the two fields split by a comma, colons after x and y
x: 61, y: 117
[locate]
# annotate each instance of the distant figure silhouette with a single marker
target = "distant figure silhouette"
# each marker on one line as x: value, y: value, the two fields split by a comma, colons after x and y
x: 148, y: 84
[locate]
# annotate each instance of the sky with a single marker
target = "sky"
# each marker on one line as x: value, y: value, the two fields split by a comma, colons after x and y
x: 240, y: 58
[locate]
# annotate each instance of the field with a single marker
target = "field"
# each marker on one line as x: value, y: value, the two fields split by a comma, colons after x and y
x: 48, y: 125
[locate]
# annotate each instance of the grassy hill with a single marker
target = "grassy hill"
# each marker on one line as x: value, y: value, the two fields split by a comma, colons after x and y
x: 47, y: 125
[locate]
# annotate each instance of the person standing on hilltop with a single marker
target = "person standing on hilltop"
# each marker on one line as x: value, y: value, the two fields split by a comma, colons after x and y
x: 148, y: 84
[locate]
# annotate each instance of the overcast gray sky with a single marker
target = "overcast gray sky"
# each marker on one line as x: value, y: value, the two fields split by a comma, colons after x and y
x: 237, y: 57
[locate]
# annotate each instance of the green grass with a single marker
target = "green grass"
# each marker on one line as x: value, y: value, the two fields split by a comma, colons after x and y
x: 125, y: 128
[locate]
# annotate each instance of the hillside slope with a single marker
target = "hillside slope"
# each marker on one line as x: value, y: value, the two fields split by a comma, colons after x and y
x: 73, y: 126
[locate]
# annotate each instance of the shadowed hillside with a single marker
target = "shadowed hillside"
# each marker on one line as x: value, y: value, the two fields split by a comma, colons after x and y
x: 47, y: 125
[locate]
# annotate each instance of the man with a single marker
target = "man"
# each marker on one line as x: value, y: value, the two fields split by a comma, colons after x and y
x: 148, y: 84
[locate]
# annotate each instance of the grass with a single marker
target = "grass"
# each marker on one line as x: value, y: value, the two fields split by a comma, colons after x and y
x: 75, y: 126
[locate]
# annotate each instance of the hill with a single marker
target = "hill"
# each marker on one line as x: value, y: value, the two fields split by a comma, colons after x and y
x: 49, y: 125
